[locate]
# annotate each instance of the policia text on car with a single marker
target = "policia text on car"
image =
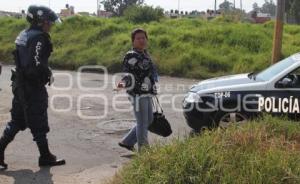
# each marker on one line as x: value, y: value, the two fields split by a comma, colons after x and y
x: 280, y: 105
x: 30, y: 100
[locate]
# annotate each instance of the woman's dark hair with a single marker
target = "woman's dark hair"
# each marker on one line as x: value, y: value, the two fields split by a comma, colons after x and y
x: 136, y: 31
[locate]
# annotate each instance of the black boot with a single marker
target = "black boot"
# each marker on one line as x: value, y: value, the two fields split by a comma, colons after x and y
x: 8, y: 136
x: 3, y: 165
x: 4, y: 141
x: 47, y: 158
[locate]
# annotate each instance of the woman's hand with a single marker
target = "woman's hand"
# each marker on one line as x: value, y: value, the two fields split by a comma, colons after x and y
x: 121, y: 85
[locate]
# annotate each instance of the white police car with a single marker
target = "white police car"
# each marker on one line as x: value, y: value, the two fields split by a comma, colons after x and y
x: 237, y: 98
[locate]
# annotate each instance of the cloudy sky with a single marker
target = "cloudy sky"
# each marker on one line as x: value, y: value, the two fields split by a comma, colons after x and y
x: 90, y: 5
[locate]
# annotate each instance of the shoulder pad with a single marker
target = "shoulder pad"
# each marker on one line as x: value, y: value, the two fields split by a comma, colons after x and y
x: 26, y: 35
x: 22, y: 38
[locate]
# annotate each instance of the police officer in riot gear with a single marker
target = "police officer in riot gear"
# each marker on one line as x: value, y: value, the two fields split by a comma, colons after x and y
x: 30, y: 101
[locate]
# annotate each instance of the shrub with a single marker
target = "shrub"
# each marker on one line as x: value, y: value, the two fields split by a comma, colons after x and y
x: 263, y: 151
x: 143, y: 14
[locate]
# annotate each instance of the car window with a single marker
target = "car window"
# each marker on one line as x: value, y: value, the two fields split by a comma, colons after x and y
x: 294, y: 76
x: 273, y: 70
x: 296, y: 72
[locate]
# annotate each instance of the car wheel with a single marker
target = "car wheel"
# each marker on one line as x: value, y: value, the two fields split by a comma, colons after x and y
x: 224, y: 119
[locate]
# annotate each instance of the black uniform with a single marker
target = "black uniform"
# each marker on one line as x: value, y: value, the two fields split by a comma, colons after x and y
x: 142, y: 73
x: 30, y: 101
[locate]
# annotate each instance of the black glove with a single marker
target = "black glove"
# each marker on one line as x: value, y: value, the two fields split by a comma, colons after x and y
x: 50, y: 77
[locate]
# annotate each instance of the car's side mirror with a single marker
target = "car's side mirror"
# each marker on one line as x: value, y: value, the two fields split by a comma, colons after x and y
x: 284, y: 83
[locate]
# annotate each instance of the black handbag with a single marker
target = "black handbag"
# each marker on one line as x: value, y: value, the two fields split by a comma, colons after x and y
x: 160, y: 124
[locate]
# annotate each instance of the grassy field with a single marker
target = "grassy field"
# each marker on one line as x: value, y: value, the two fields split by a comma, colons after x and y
x: 185, y: 48
x: 265, y: 151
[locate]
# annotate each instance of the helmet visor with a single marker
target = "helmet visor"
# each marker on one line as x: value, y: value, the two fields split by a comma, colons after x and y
x: 54, y: 18
x: 58, y: 21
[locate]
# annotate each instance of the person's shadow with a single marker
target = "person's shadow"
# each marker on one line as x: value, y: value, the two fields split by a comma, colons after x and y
x: 26, y: 176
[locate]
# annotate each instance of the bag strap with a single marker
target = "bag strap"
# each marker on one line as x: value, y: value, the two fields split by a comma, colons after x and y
x: 157, y: 105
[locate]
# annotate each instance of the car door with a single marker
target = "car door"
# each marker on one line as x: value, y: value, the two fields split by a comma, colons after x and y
x: 287, y: 94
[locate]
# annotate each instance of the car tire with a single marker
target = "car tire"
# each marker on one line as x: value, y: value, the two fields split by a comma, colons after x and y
x: 224, y: 119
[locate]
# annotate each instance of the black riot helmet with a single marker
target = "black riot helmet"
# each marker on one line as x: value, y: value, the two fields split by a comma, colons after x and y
x: 38, y: 14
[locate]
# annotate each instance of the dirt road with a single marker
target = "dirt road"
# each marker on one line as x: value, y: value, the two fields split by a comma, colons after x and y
x: 87, y: 142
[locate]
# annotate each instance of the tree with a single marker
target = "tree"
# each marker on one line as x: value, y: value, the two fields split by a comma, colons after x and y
x: 269, y: 7
x: 117, y: 7
x: 293, y: 9
x: 143, y: 14
x: 226, y: 6
x: 255, y: 7
x: 288, y: 5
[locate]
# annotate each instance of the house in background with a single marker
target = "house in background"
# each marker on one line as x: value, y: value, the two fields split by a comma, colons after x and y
x: 68, y: 11
x: 211, y: 14
x: 12, y: 14
x: 192, y: 14
x: 260, y: 18
x: 104, y: 14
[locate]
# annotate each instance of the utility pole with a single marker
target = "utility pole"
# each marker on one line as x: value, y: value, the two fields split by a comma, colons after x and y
x: 98, y: 7
x: 241, y: 4
x: 234, y: 4
x: 178, y: 8
x: 278, y: 31
x: 215, y: 7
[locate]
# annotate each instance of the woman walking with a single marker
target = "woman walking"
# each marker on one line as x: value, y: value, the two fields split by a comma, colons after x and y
x: 139, y: 80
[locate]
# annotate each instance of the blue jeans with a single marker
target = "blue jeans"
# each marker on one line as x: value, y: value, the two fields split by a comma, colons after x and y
x: 143, y: 112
